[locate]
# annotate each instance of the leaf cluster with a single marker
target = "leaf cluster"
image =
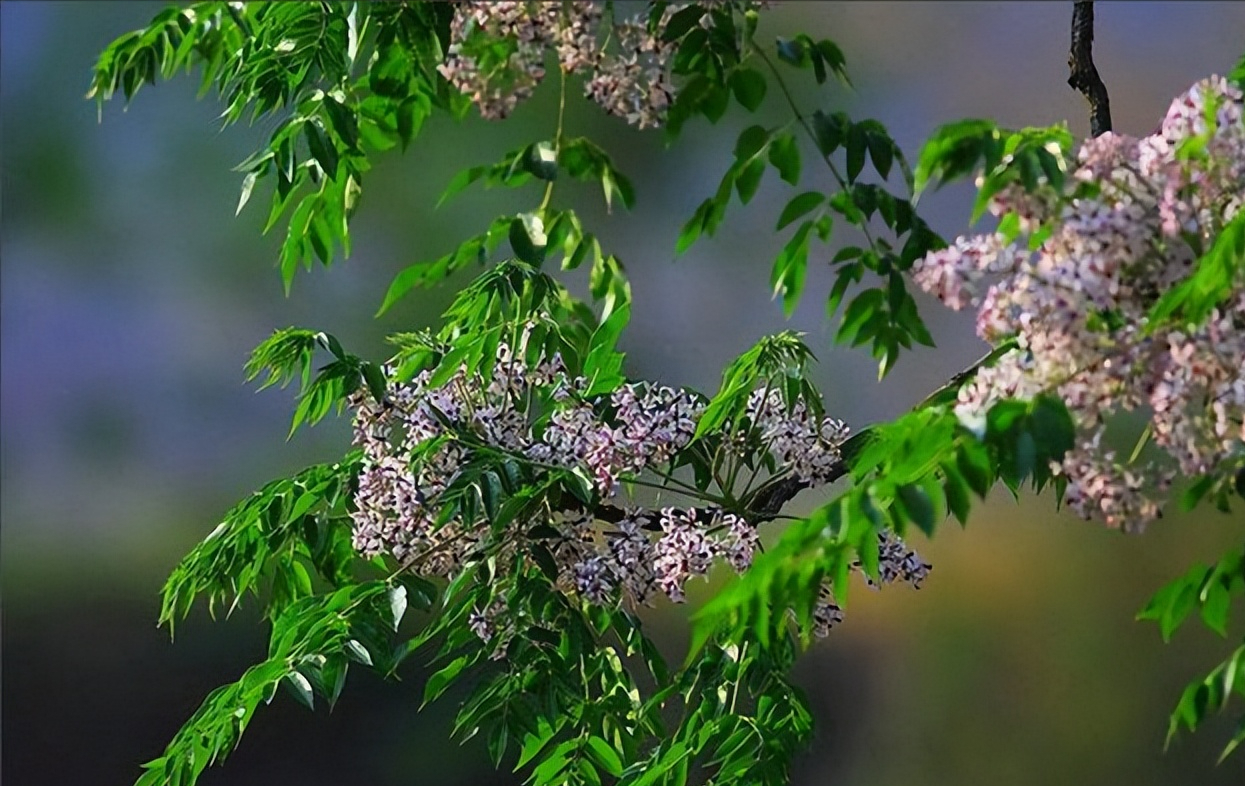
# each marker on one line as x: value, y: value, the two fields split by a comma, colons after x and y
x: 533, y: 235
x: 1030, y: 157
x: 288, y: 352
x: 265, y: 545
x: 885, y: 317
x: 569, y: 691
x: 313, y: 641
x: 340, y: 80
x: 1209, y: 590
x: 912, y: 472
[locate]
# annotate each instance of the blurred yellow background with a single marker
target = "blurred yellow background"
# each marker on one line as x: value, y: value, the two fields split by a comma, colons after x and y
x: 131, y: 297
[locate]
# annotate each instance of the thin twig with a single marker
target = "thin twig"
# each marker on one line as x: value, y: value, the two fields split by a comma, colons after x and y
x: 1084, y: 75
x: 557, y: 139
x: 844, y: 186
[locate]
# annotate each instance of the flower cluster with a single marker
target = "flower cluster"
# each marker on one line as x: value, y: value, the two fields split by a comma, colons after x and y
x: 654, y: 422
x: 1143, y: 210
x: 796, y: 438
x: 397, y: 497
x: 897, y: 562
x: 418, y: 442
x: 497, y: 56
x: 634, y: 83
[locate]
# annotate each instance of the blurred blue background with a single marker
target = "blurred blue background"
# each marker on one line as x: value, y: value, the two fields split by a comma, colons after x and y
x: 131, y: 297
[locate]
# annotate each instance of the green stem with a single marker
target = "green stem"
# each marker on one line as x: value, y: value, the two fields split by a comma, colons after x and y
x: 669, y: 478
x: 557, y: 137
x: 1141, y: 442
x: 700, y: 495
x: 808, y: 129
x: 753, y: 429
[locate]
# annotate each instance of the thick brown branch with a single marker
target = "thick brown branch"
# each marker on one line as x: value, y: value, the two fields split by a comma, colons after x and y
x: 1084, y: 75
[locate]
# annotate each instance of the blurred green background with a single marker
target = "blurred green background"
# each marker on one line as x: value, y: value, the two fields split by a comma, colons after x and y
x: 131, y: 297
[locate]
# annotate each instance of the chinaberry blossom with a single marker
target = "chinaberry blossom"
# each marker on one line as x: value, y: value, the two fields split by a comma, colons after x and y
x: 497, y: 56
x: 795, y: 436
x: 826, y: 614
x: 1144, y: 211
x: 497, y: 52
x: 417, y: 443
x: 397, y: 493
x: 897, y: 562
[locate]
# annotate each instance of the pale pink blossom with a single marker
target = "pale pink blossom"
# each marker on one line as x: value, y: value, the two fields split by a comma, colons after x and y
x: 1141, y: 213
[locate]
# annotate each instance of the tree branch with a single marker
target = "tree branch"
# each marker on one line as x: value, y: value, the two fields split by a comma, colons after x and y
x: 1084, y: 75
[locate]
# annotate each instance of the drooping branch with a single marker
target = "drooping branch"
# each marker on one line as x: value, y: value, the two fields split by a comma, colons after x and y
x: 1084, y: 75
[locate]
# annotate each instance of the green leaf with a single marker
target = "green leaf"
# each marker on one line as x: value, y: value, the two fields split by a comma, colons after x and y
x: 443, y: 678
x: 1004, y: 415
x: 857, y: 142
x: 829, y: 130
x: 833, y: 57
x: 748, y: 86
x: 956, y: 489
x: 789, y: 269
x: 357, y: 652
x: 605, y: 756
x: 300, y: 688
x: 1218, y: 273
x: 535, y: 741
x: 917, y: 506
x: 882, y: 152
x: 1026, y: 455
x: 541, y: 160
x: 1237, y: 77
x: 1196, y: 491
x: 461, y: 180
x: 800, y: 206
x: 715, y: 103
x: 580, y: 485
x: 397, y: 605
x: 248, y: 184
x: 1181, y: 603
x: 602, y: 365
x: 954, y: 151
x: 344, y: 122
x: 402, y: 283
x: 847, y: 275
x: 784, y: 154
x: 863, y: 308
x: 332, y: 678
x: 752, y: 140
x: 614, y: 183
x: 322, y: 149
x: 973, y: 461
x: 691, y: 231
x: 681, y: 23
x: 375, y: 379
x: 1052, y: 428
x: 1216, y: 601
x: 527, y: 238
x: 749, y: 179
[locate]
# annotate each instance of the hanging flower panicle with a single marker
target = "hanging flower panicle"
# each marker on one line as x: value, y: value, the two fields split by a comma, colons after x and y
x: 1078, y: 305
x: 497, y: 56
